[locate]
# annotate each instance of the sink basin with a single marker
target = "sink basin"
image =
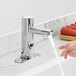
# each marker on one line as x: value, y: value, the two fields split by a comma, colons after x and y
x: 51, y: 67
x: 9, y: 68
x: 44, y: 65
x: 69, y: 67
x: 47, y: 69
x: 51, y: 71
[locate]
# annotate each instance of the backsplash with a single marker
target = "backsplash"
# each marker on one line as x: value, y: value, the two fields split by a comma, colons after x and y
x: 57, y: 23
x: 11, y: 42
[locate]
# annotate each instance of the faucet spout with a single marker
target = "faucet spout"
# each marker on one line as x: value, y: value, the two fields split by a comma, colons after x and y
x: 40, y: 31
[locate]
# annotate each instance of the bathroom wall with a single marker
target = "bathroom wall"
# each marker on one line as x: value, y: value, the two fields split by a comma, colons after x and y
x: 11, y: 12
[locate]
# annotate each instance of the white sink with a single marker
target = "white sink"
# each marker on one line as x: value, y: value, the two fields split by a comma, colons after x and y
x: 9, y: 68
x: 47, y: 62
x: 51, y: 71
x: 69, y: 67
x: 51, y: 67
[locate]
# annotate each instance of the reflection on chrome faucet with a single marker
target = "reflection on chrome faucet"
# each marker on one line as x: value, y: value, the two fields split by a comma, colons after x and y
x: 28, y: 31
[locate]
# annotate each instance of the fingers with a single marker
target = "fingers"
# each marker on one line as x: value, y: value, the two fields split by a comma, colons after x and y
x: 68, y: 49
x: 65, y: 53
x: 65, y: 45
x: 62, y: 53
x: 72, y: 53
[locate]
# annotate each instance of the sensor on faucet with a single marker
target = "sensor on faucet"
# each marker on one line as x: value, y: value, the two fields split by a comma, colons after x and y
x: 28, y: 31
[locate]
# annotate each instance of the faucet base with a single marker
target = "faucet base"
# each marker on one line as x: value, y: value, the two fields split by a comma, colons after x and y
x: 22, y: 59
x: 26, y: 58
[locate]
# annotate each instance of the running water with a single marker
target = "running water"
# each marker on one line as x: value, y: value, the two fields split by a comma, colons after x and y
x: 57, y: 57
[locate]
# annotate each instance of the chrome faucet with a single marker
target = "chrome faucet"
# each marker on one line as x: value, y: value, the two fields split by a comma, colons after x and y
x: 28, y: 31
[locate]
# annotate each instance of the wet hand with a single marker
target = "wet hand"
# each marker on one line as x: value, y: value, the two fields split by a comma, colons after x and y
x: 68, y: 49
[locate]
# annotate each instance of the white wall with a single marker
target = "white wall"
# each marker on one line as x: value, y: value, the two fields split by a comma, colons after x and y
x: 11, y: 12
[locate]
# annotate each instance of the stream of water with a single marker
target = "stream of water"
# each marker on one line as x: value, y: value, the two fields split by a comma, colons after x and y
x: 55, y: 51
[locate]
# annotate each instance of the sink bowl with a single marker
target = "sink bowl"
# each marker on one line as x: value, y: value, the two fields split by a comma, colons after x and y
x: 51, y: 66
x: 9, y: 68
x: 51, y: 71
x: 69, y: 67
x: 43, y: 65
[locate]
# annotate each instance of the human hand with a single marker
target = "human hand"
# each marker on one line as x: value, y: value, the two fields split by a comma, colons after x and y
x: 69, y: 49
